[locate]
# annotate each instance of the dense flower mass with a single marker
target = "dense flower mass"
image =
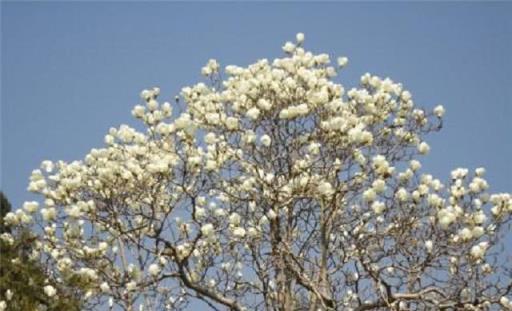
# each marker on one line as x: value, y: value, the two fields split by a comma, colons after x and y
x: 273, y: 188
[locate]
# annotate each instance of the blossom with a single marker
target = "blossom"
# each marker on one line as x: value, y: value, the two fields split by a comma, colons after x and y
x: 369, y: 195
x: 289, y: 47
x: 49, y: 290
x: 105, y: 287
x: 429, y: 245
x: 202, y: 188
x: 264, y: 104
x: 154, y: 269
x: 479, y: 217
x: 415, y: 165
x: 480, y: 171
x: 253, y: 113
x: 239, y: 232
x: 325, y: 188
x: 211, y: 67
x: 478, y: 251
x: 207, y: 229
x: 342, y: 61
x: 8, y: 294
x: 200, y: 213
x: 234, y: 219
x: 11, y: 219
x: 300, y: 37
x: 477, y: 232
x: 465, y: 234
x: 378, y: 207
x: 379, y: 185
x: 131, y: 286
x: 505, y: 302
x: 138, y: 111
x: 423, y: 148
x: 439, y: 111
x: 446, y: 216
x: 232, y: 123
x: 266, y: 140
x: 402, y: 195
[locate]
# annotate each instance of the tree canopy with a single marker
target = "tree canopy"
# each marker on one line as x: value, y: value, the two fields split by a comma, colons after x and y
x: 273, y: 187
x: 22, y: 277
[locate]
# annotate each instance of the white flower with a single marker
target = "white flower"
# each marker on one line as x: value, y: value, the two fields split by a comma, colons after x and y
x: 3, y: 305
x: 207, y: 229
x: 477, y: 232
x: 152, y: 105
x: 266, y: 140
x: 429, y: 245
x: 423, y: 148
x: 234, y: 219
x: 300, y: 37
x: 154, y: 269
x: 211, y: 67
x: 239, y: 232
x: 289, y: 47
x: 105, y: 287
x: 314, y: 148
x: 480, y: 172
x: 253, y: 113
x: 479, y: 217
x: 379, y: 185
x: 210, y: 138
x: 8, y: 294
x: 504, y: 301
x: 48, y: 213
x: 49, y: 290
x: 130, y: 286
x: 47, y: 166
x: 232, y: 123
x: 138, y: 111
x: 477, y: 251
x: 369, y: 195
x: 342, y: 61
x: 415, y: 165
x: 200, y: 213
x: 109, y: 139
x: 459, y: 173
x: 325, y: 188
x: 74, y: 211
x: 402, y: 195
x: 439, y: 111
x: 378, y: 207
x: 11, y: 219
x: 465, y: 234
x: 219, y: 212
x: 264, y: 104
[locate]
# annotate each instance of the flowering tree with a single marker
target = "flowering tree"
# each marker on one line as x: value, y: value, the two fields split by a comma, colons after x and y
x: 274, y: 188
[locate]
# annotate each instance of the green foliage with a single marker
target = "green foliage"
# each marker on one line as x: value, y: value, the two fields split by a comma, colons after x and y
x: 26, y: 278
x: 5, y: 207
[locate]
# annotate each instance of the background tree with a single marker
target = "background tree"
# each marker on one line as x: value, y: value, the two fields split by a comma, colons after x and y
x: 22, y: 278
x: 275, y: 188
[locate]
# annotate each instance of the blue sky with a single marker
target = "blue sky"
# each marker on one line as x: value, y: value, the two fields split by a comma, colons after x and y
x: 72, y: 70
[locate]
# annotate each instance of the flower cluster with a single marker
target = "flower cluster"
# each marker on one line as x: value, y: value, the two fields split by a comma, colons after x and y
x: 275, y: 172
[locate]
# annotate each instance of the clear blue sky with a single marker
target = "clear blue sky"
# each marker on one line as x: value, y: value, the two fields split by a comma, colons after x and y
x: 72, y: 70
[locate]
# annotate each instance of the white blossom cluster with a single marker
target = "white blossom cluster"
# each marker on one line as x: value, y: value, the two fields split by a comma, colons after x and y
x: 265, y: 170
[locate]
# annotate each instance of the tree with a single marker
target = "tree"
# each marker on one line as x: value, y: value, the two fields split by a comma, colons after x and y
x: 274, y: 188
x: 22, y: 278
